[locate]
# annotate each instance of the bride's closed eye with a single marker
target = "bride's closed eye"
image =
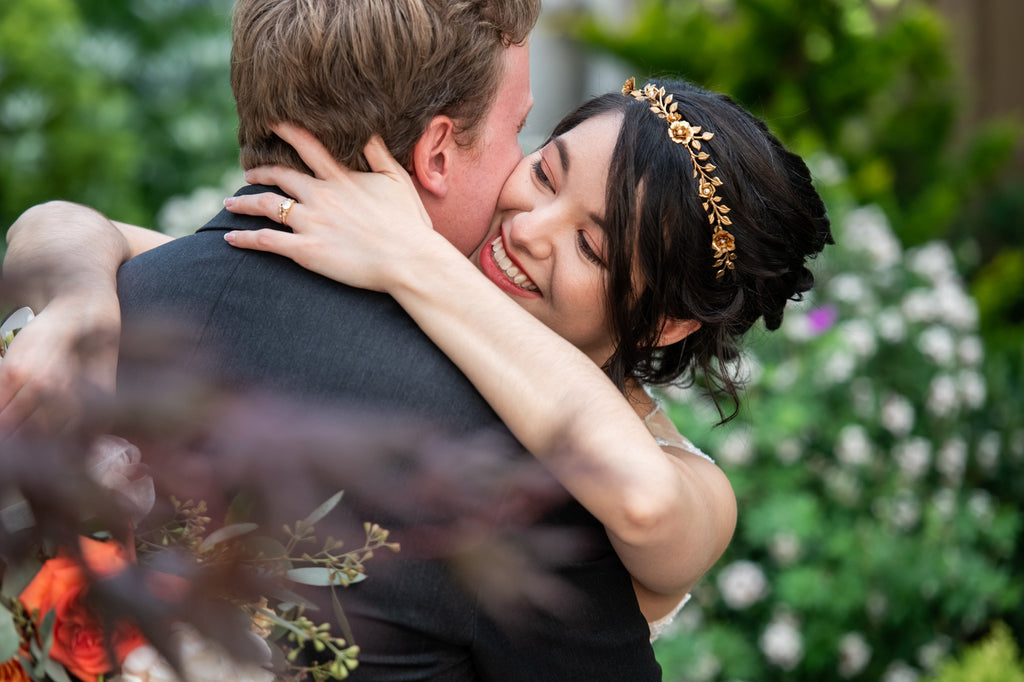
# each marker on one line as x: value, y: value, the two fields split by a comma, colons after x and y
x: 542, y: 177
x: 587, y: 250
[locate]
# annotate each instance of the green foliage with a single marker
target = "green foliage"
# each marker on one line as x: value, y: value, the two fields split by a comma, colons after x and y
x: 119, y: 105
x: 878, y: 529
x: 878, y: 455
x: 995, y: 659
x: 870, y: 85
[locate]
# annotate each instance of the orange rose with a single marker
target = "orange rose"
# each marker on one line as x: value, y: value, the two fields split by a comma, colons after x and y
x: 78, y: 638
x: 11, y: 671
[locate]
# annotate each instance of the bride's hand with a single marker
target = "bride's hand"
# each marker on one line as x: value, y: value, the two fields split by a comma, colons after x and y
x: 354, y: 227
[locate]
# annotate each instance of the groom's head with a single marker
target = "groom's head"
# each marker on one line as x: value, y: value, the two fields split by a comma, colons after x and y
x: 445, y: 82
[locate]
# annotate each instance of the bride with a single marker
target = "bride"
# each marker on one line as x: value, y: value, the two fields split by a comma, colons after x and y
x: 634, y: 249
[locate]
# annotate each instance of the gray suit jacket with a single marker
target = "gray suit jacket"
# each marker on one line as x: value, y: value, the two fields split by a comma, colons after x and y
x: 272, y: 324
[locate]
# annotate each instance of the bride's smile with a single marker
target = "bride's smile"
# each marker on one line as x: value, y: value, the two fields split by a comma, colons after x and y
x: 499, y: 267
x: 545, y: 248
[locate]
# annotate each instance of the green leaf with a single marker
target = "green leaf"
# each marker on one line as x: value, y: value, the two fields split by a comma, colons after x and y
x: 9, y: 638
x: 270, y: 549
x: 339, y: 616
x: 318, y: 576
x: 290, y: 600
x: 46, y: 632
x: 56, y: 672
x: 226, y: 533
x: 324, y: 509
x: 17, y: 577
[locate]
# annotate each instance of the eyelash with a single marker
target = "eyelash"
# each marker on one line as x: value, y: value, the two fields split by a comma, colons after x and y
x: 587, y: 250
x: 538, y: 172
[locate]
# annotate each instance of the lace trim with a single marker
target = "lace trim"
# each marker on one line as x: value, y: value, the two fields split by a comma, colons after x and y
x: 660, y: 626
x: 670, y: 438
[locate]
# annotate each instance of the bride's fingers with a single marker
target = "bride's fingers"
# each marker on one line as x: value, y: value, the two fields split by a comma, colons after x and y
x: 266, y: 204
x: 294, y: 183
x: 310, y: 150
x: 272, y: 241
x: 379, y: 157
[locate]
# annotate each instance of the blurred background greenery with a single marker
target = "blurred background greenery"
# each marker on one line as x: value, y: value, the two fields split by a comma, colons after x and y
x: 121, y: 105
x: 879, y: 455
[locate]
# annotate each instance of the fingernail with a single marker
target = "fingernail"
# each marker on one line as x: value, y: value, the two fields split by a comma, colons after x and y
x: 229, y: 237
x: 229, y: 202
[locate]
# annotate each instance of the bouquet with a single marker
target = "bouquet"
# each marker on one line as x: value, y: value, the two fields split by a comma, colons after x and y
x: 193, y: 561
x: 55, y: 630
x: 53, y: 624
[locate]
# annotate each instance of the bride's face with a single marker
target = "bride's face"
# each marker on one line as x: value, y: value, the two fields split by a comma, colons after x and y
x: 546, y: 246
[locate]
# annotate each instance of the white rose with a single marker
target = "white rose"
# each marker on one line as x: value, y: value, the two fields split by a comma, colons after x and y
x: 854, y: 654
x: 891, y: 325
x: 913, y: 456
x: 117, y: 465
x: 952, y: 459
x: 737, y: 449
x: 742, y: 584
x: 203, y: 661
x: 897, y: 415
x: 933, y: 261
x: 942, y: 397
x: 938, y: 344
x: 898, y: 671
x: 782, y: 642
x: 853, y: 447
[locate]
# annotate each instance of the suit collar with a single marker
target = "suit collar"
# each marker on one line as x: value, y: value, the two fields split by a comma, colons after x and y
x: 226, y: 220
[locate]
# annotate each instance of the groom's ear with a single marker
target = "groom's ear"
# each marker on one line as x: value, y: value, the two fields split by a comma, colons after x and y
x: 432, y: 156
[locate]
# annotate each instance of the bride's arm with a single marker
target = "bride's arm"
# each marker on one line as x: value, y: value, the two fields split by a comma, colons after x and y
x: 669, y: 515
x: 62, y: 261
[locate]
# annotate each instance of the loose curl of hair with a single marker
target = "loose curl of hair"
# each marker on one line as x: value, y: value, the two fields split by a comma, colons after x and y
x: 658, y: 240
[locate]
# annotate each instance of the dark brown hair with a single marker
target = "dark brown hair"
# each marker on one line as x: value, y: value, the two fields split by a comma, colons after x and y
x: 657, y: 228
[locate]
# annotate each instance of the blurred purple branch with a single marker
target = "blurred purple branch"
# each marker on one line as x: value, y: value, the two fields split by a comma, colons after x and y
x: 471, y: 502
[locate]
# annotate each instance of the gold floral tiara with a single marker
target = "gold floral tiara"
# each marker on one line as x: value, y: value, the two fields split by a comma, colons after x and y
x: 682, y: 132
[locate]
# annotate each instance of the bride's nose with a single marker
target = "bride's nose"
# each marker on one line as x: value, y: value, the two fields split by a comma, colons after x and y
x: 531, y: 233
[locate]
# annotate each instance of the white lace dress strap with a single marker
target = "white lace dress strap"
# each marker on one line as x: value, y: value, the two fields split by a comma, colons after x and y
x: 667, y: 435
x: 659, y: 626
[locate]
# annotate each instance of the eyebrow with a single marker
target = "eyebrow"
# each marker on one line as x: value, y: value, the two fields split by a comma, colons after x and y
x: 563, y: 157
x: 563, y: 153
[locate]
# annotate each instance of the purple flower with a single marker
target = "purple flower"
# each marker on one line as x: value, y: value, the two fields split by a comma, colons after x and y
x: 821, y: 319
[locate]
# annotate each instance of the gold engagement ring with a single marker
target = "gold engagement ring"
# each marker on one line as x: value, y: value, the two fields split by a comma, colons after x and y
x: 283, y: 209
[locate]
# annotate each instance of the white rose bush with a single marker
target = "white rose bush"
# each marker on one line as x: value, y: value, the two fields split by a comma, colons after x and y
x: 877, y: 526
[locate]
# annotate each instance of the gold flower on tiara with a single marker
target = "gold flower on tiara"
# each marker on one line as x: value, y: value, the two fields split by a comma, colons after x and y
x: 683, y: 132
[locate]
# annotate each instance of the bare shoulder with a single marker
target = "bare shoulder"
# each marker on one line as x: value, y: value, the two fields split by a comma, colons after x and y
x: 711, y: 482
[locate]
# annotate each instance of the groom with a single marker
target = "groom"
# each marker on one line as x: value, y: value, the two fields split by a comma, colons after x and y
x: 447, y: 85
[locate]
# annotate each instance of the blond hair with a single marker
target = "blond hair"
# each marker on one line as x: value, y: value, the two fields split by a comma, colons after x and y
x: 346, y: 69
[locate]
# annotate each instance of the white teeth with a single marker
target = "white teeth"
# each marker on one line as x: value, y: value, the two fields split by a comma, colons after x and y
x: 510, y: 270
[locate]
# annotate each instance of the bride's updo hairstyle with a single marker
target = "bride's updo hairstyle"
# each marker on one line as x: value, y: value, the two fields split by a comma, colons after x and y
x: 682, y: 156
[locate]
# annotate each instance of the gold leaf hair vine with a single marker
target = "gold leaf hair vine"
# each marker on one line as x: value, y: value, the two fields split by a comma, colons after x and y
x: 682, y: 132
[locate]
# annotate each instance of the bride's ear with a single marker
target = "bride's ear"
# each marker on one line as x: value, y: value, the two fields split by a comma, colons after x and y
x: 432, y: 156
x: 674, y: 330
